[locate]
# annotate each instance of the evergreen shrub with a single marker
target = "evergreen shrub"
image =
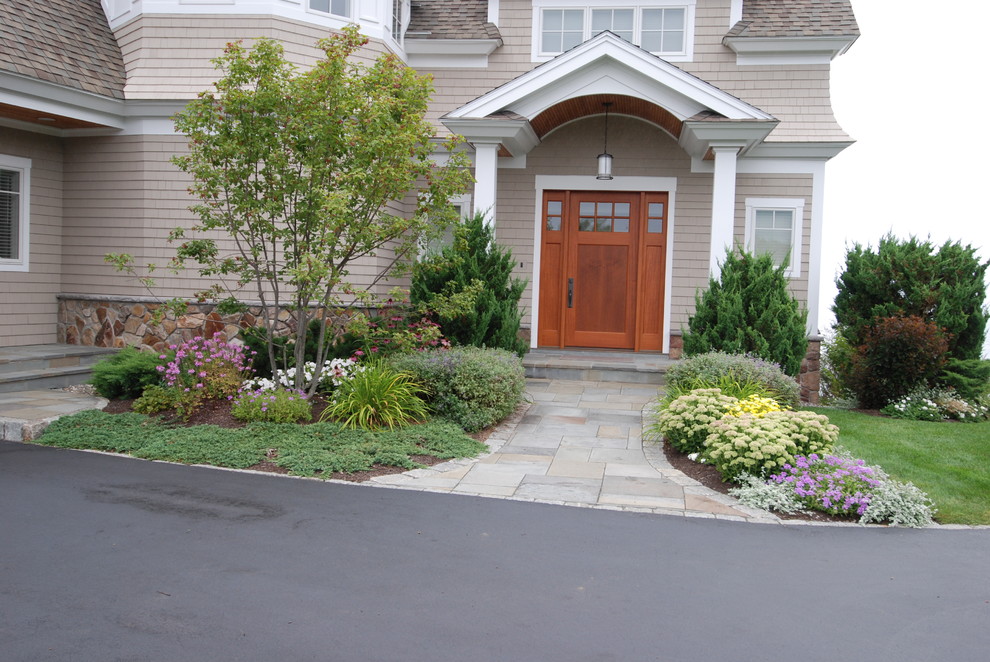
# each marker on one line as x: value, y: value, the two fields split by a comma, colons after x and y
x: 469, y: 386
x: 476, y: 264
x: 126, y: 374
x: 749, y: 310
x: 945, y: 286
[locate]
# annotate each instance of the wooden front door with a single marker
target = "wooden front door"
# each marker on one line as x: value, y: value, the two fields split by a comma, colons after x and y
x: 602, y: 269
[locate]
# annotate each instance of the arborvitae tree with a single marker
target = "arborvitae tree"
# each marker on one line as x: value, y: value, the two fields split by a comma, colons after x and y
x: 476, y: 265
x: 749, y: 310
x: 944, y: 285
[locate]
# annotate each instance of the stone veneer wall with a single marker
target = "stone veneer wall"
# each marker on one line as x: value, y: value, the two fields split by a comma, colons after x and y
x: 809, y: 377
x: 126, y: 321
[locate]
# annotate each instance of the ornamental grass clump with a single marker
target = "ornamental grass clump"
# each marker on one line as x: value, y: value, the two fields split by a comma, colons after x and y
x: 377, y: 397
x: 739, y: 375
x: 273, y: 406
x: 686, y: 421
x: 747, y: 445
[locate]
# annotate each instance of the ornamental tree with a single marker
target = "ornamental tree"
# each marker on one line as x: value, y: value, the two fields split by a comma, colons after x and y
x: 297, y: 176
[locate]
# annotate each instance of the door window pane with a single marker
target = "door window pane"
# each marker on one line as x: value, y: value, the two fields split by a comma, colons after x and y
x: 620, y: 225
x: 586, y: 224
x: 622, y: 209
x: 604, y: 224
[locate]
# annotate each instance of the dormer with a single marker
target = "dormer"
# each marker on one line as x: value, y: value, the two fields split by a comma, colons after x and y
x: 792, y: 32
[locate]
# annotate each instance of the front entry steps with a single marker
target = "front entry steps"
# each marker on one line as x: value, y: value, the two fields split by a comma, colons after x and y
x: 593, y: 365
x: 37, y: 367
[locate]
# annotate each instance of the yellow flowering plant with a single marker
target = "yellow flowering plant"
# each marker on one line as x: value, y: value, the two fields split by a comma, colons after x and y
x: 754, y: 405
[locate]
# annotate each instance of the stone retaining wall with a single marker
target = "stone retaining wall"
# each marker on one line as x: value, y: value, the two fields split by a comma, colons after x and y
x: 122, y: 322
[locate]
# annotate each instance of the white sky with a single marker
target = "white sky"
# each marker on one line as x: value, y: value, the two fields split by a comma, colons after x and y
x: 910, y: 91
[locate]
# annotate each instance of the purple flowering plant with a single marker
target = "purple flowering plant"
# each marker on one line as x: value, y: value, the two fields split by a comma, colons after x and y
x: 208, y: 367
x: 831, y: 483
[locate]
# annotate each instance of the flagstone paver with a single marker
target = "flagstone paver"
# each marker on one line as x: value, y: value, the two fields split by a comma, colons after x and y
x: 580, y: 444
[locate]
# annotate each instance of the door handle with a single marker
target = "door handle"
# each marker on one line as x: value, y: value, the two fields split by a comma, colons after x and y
x: 570, y: 292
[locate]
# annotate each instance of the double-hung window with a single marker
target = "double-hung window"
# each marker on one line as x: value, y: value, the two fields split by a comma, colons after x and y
x: 773, y: 225
x: 341, y: 8
x: 663, y: 27
x: 15, y: 180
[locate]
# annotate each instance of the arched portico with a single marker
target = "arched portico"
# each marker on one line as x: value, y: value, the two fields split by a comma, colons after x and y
x: 705, y: 123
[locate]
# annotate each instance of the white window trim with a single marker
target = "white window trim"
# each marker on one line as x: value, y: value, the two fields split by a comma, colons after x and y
x: 340, y: 17
x: 23, y: 167
x: 689, y: 23
x: 795, y: 205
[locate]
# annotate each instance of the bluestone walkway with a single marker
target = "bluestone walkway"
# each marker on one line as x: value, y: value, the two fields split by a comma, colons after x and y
x: 579, y: 444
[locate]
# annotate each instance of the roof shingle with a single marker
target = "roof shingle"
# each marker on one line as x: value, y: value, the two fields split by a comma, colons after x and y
x: 450, y: 19
x: 796, y: 18
x: 68, y: 42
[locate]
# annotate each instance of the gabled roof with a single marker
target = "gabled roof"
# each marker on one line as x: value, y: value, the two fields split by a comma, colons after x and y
x: 450, y: 19
x: 796, y: 18
x: 67, y: 42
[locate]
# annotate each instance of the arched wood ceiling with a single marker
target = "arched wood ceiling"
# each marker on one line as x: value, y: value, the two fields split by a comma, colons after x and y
x: 572, y: 109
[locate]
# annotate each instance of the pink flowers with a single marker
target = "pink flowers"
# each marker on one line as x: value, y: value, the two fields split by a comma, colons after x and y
x: 212, y: 366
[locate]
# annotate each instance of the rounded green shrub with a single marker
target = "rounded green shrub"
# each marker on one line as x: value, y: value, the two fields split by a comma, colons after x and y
x: 738, y: 375
x: 685, y: 421
x: 470, y: 386
x: 746, y: 445
x: 127, y: 373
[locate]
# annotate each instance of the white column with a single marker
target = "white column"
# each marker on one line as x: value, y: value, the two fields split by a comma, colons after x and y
x: 723, y: 205
x: 485, y: 179
x: 815, y: 261
x: 493, y: 11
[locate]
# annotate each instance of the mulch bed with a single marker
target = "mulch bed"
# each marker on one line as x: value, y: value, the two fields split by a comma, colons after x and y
x: 218, y: 412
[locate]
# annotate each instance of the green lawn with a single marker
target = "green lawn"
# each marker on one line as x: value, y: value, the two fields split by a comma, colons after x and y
x: 949, y: 461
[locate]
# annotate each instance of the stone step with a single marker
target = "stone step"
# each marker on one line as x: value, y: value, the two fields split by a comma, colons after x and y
x: 596, y: 366
x: 32, y: 367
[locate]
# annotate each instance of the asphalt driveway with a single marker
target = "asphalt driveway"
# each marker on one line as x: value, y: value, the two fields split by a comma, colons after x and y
x: 109, y: 558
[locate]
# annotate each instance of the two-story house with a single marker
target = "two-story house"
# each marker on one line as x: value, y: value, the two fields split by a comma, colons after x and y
x: 618, y: 147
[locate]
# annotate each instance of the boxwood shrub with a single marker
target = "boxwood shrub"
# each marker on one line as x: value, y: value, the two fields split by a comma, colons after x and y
x: 470, y: 386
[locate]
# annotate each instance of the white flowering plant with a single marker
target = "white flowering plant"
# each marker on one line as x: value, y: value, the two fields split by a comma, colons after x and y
x: 937, y: 404
x: 335, y: 372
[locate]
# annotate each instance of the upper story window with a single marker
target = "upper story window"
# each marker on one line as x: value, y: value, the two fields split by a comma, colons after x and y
x: 15, y: 175
x: 663, y: 27
x: 340, y: 8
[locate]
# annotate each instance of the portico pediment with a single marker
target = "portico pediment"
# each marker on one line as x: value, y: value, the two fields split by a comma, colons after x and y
x: 607, y: 66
